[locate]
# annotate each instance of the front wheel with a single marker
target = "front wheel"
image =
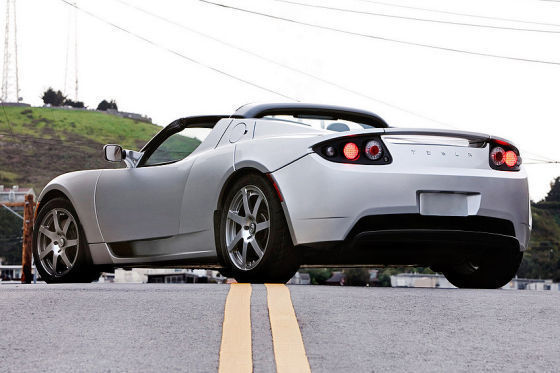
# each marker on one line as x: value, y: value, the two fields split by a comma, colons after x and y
x: 255, y: 242
x: 59, y: 247
x: 490, y: 271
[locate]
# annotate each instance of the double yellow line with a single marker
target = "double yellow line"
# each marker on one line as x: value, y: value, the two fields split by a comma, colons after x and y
x: 236, y: 349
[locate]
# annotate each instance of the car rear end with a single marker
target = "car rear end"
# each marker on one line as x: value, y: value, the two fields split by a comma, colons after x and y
x: 399, y: 196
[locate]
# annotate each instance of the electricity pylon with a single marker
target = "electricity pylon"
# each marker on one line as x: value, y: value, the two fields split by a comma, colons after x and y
x: 10, y: 78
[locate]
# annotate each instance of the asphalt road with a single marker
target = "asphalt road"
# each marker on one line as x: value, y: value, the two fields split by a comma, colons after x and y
x: 133, y: 327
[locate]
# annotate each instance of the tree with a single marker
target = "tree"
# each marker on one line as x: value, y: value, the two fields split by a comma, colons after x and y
x: 105, y: 105
x: 318, y: 275
x: 357, y: 276
x: 554, y: 193
x: 53, y: 98
x: 10, y: 237
x: 76, y: 104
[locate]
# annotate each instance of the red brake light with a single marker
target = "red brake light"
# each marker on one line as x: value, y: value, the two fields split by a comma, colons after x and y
x: 351, y: 151
x: 510, y: 158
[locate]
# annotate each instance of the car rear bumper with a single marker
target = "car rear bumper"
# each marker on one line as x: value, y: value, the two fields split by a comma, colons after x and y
x: 419, y: 247
x: 326, y: 201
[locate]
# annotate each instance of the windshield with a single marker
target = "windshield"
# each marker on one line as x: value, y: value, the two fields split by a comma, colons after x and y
x: 329, y: 124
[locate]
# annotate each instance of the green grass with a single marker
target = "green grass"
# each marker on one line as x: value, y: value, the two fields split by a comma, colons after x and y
x: 50, y: 141
x: 56, y: 123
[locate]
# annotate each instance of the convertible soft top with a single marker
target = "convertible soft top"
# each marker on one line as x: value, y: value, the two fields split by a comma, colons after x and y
x: 304, y: 110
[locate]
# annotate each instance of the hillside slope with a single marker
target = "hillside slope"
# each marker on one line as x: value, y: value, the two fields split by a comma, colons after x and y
x: 42, y: 143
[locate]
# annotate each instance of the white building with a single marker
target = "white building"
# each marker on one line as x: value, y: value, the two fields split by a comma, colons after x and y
x: 15, y: 194
x: 420, y: 280
x: 532, y: 284
x: 166, y: 275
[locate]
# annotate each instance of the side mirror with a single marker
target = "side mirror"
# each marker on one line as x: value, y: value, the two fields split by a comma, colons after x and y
x: 114, y: 153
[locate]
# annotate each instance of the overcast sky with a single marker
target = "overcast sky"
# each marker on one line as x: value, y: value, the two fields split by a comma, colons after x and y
x: 512, y: 99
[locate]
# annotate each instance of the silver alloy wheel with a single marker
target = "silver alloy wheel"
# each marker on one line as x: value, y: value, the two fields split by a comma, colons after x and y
x: 247, y: 227
x: 58, y: 242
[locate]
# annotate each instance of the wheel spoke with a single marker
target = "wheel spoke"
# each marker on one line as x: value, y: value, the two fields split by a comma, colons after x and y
x: 246, y: 202
x: 71, y: 243
x: 244, y: 254
x: 65, y: 259
x: 66, y: 225
x: 47, y: 250
x: 235, y: 240
x: 54, y: 262
x: 236, y: 218
x: 55, y: 221
x: 262, y: 226
x: 257, y: 248
x: 50, y: 234
x: 257, y: 205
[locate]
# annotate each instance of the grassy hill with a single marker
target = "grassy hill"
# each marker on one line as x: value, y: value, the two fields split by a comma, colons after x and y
x: 42, y: 143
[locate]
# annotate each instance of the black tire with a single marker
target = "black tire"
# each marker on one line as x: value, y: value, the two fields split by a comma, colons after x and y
x: 280, y: 260
x: 82, y: 269
x: 490, y: 271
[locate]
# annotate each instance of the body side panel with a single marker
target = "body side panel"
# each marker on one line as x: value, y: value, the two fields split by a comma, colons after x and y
x: 140, y: 203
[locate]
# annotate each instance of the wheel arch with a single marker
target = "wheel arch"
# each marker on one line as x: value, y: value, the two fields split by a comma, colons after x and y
x: 49, y: 195
x: 236, y: 175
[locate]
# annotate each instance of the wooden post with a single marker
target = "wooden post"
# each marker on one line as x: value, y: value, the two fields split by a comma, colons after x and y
x: 26, y: 254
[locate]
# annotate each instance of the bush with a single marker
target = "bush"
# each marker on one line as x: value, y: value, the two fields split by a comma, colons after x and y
x: 76, y: 104
x: 53, y: 98
x: 106, y: 105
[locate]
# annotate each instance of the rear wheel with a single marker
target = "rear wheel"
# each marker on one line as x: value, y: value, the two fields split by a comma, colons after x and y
x: 489, y: 271
x: 59, y: 247
x: 254, y: 239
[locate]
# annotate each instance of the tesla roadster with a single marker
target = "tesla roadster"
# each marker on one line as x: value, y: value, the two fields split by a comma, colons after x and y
x: 259, y: 193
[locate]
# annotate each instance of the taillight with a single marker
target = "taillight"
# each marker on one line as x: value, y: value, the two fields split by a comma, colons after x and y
x: 351, y: 151
x: 497, y: 156
x: 504, y: 156
x: 511, y: 158
x: 373, y: 150
x: 362, y: 149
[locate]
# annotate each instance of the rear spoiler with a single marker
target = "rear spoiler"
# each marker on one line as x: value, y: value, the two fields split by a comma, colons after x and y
x: 475, y: 139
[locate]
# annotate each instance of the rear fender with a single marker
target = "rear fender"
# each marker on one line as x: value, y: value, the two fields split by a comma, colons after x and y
x: 79, y: 188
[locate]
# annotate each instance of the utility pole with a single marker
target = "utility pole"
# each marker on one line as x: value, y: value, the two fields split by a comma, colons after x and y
x: 10, y: 76
x: 26, y: 252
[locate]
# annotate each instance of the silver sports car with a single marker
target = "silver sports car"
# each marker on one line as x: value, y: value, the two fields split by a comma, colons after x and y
x: 272, y: 187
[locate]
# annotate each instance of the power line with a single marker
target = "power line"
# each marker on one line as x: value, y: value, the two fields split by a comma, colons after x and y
x: 244, y: 50
x: 285, y: 66
x: 45, y: 141
x: 7, y: 119
x: 543, y: 162
x: 288, y: 67
x: 376, y: 37
x: 460, y: 14
x: 183, y: 56
x: 413, y: 18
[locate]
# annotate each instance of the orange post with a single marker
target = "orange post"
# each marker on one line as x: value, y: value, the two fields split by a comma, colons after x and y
x: 26, y: 275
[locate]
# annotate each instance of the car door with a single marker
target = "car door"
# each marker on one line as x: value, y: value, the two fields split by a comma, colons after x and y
x: 144, y: 202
